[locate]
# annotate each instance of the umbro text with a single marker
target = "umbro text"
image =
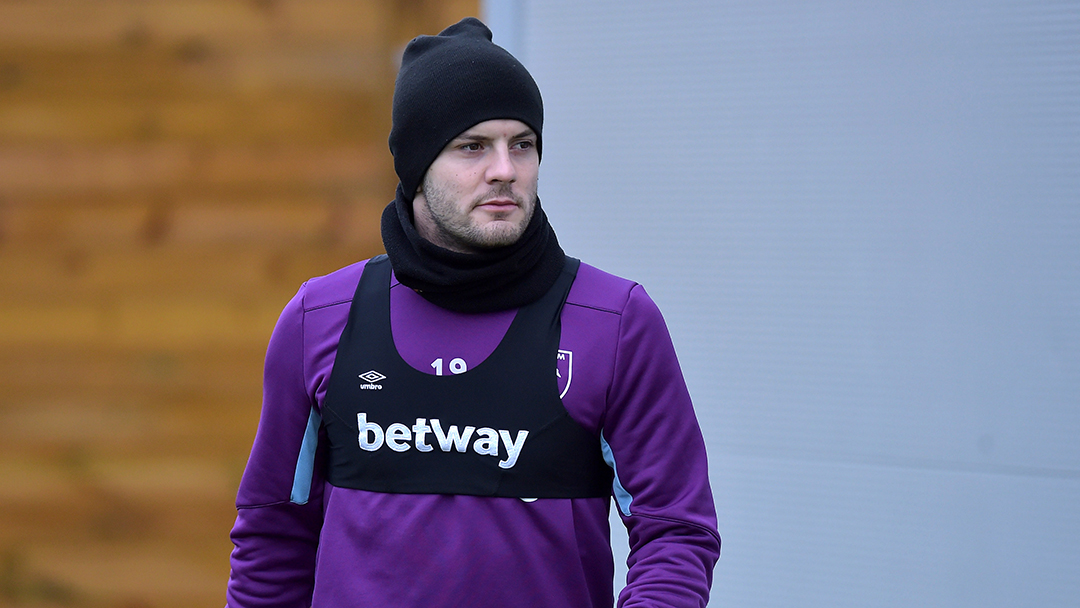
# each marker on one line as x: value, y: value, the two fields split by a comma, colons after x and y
x: 400, y: 438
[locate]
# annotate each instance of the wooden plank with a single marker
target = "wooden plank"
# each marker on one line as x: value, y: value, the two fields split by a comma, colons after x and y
x: 137, y: 272
x: 181, y: 192
x: 138, y: 322
x: 197, y: 321
x: 63, y: 169
x: 51, y: 323
x: 280, y: 222
x: 61, y: 23
x: 161, y: 72
x: 56, y: 249
x: 130, y: 573
x: 139, y: 378
x: 226, y: 432
x: 67, y: 223
x: 91, y: 423
x: 264, y: 271
x: 299, y: 119
x: 85, y: 551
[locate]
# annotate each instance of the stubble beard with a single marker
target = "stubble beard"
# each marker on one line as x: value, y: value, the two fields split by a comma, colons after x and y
x: 460, y: 232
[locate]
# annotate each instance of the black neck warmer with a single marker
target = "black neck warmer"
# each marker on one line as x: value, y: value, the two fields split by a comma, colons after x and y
x: 495, y: 279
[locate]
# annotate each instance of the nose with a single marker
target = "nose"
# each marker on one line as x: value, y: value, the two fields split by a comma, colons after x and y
x: 502, y: 167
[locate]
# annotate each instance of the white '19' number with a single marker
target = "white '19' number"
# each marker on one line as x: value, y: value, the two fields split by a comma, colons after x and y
x: 457, y: 366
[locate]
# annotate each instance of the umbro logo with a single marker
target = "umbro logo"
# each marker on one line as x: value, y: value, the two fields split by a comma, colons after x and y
x: 370, y: 378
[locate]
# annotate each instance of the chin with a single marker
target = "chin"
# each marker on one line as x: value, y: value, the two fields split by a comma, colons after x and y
x: 500, y: 238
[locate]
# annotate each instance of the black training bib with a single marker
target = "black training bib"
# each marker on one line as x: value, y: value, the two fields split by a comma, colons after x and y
x: 498, y: 429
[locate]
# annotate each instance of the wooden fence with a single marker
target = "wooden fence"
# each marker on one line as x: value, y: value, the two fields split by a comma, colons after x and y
x: 170, y: 172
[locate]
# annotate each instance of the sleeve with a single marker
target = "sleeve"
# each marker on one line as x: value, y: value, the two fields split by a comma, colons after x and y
x: 279, y: 503
x: 652, y: 440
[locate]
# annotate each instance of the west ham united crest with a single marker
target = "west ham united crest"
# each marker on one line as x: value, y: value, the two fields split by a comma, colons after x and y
x: 565, y: 369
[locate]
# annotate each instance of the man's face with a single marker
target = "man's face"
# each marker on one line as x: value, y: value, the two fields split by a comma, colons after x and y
x: 480, y: 192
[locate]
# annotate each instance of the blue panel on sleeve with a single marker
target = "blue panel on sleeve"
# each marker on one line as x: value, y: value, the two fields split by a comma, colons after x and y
x: 622, y: 497
x: 305, y: 463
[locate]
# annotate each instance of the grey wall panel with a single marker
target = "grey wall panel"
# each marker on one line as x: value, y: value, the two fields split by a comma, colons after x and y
x: 862, y: 221
x: 805, y: 533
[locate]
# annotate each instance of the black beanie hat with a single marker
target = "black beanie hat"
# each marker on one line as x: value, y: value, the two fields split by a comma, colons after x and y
x: 449, y: 83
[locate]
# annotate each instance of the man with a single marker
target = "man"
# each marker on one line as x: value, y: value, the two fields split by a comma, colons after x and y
x: 445, y: 425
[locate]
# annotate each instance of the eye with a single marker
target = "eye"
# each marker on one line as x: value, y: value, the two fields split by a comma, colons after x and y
x: 525, y: 144
x: 470, y: 147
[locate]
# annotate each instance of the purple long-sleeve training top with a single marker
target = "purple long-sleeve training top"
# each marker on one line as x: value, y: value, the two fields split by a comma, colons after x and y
x: 300, y: 541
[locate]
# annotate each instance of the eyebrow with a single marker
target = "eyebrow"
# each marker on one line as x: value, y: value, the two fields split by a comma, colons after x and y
x: 471, y: 137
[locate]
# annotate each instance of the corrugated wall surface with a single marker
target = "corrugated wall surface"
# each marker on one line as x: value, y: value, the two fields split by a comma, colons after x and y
x: 862, y: 221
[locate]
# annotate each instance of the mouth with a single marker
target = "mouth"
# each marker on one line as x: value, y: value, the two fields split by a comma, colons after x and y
x: 498, y: 205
